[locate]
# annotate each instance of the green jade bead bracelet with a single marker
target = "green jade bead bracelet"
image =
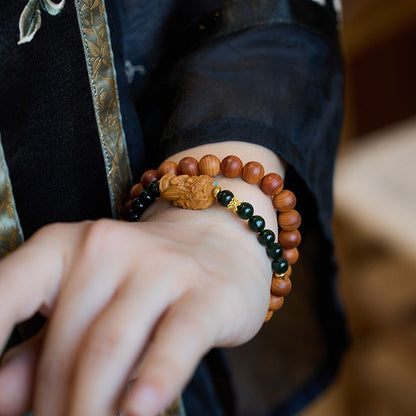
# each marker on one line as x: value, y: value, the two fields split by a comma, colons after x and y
x: 190, y: 184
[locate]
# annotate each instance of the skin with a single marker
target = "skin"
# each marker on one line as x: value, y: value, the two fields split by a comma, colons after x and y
x: 126, y: 301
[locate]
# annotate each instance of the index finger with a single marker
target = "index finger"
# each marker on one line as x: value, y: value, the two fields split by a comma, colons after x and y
x: 30, y: 277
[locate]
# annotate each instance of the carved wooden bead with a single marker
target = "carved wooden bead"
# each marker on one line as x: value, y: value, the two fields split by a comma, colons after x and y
x: 291, y: 255
x: 271, y: 184
x: 285, y: 201
x: 149, y: 176
x: 209, y: 165
x: 289, y: 239
x: 268, y: 316
x: 135, y: 190
x: 290, y: 220
x: 231, y: 166
x: 168, y: 167
x: 188, y: 166
x: 253, y: 172
x: 276, y: 302
x: 281, y: 286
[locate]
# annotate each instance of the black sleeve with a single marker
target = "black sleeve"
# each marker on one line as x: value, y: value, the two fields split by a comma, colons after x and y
x: 264, y: 72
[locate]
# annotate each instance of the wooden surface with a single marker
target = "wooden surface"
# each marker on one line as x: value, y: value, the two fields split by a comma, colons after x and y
x: 378, y: 41
x: 367, y: 23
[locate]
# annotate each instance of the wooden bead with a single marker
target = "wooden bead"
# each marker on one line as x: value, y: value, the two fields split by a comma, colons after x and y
x: 271, y: 184
x: 281, y: 286
x: 268, y: 316
x: 231, y: 166
x: 285, y: 201
x: 289, y: 239
x: 253, y: 172
x: 135, y: 190
x: 149, y: 176
x: 188, y: 166
x: 127, y: 207
x: 291, y: 255
x: 168, y: 167
x: 290, y: 220
x: 276, y: 302
x: 209, y: 165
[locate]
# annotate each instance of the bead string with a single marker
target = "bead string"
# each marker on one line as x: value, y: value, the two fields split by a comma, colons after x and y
x: 283, y: 253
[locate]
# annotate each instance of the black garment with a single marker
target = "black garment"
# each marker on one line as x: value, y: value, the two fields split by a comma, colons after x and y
x: 266, y: 72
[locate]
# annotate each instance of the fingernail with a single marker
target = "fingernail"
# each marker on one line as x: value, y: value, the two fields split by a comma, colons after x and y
x: 143, y: 402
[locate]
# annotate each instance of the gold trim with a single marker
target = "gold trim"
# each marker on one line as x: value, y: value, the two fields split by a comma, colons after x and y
x: 11, y: 235
x: 176, y: 409
x: 92, y: 18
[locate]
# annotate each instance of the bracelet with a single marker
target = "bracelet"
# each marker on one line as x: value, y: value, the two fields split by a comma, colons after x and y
x: 190, y: 185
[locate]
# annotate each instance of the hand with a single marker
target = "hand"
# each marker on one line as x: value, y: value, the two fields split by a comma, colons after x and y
x: 144, y: 300
x: 133, y: 301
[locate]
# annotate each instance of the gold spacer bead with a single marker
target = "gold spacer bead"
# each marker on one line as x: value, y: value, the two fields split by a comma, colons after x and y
x: 280, y: 276
x: 216, y: 191
x: 234, y: 204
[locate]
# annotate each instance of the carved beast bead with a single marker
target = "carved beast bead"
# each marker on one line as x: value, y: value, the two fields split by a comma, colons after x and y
x: 189, y: 192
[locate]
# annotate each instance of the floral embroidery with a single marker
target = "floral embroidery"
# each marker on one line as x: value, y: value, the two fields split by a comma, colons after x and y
x: 95, y: 34
x: 30, y: 19
x: 176, y: 409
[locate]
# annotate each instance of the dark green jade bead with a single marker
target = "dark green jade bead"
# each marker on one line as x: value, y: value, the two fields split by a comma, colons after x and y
x: 275, y: 251
x: 137, y: 206
x: 256, y: 223
x: 266, y: 238
x: 132, y: 216
x: 153, y: 189
x: 280, y: 265
x: 224, y: 197
x: 145, y: 198
x: 245, y: 210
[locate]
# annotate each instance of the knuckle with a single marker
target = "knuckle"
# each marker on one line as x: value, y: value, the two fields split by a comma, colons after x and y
x: 105, y: 345
x: 107, y: 341
x: 49, y: 231
x: 100, y: 236
x: 198, y: 324
x: 188, y: 321
x: 164, y: 372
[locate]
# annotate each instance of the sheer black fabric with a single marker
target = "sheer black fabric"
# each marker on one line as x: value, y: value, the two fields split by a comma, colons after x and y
x: 189, y: 73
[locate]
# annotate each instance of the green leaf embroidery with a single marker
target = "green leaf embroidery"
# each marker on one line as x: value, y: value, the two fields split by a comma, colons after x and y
x: 30, y: 19
x: 52, y: 8
x: 29, y: 22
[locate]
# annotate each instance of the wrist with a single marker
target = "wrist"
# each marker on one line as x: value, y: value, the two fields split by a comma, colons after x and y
x: 189, y: 184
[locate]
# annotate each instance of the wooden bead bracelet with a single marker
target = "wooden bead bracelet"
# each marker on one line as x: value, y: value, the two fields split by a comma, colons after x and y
x: 190, y: 184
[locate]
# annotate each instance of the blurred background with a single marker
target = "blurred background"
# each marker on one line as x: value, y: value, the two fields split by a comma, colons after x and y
x: 375, y: 236
x: 375, y: 221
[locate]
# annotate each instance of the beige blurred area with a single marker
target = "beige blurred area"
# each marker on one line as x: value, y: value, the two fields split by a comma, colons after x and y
x: 375, y: 236
x: 375, y: 221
